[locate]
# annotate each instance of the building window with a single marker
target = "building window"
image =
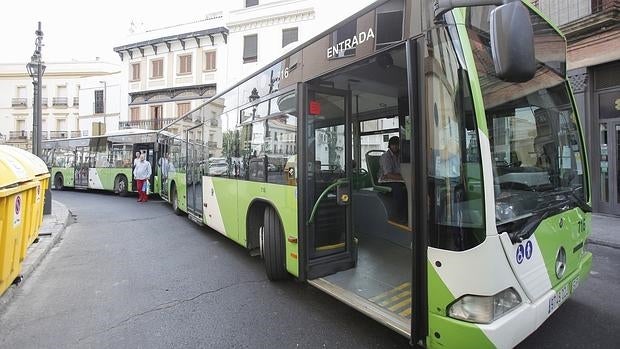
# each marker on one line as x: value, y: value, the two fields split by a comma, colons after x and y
x: 21, y: 92
x: 250, y: 48
x: 61, y: 124
x: 156, y: 116
x: 183, y: 108
x: 135, y: 72
x: 209, y: 61
x: 185, y: 64
x: 289, y: 35
x: 250, y: 3
x: 20, y: 125
x: 135, y: 114
x: 99, y: 105
x: 157, y: 68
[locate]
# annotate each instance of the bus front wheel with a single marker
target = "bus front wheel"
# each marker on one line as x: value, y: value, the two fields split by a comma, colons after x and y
x: 121, y: 185
x: 59, y: 182
x: 274, y: 250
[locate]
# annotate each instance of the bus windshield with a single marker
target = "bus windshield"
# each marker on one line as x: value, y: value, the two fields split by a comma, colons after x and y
x: 536, y: 150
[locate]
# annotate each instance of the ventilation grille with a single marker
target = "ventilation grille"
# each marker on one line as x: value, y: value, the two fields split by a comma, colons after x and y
x: 607, y: 76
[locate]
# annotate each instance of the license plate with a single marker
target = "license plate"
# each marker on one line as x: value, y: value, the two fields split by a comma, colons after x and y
x: 562, y: 295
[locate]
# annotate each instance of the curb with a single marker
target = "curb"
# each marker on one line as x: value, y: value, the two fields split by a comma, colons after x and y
x: 54, y: 225
x: 604, y: 243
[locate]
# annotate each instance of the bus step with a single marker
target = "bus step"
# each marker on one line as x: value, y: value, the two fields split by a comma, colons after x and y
x: 195, y: 219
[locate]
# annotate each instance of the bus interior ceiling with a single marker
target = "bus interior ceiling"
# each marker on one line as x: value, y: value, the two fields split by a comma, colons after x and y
x: 379, y: 107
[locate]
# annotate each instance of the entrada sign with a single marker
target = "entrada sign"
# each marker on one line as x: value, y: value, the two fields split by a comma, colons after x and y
x: 350, y: 43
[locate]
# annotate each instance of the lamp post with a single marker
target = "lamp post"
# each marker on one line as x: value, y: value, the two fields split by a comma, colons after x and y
x: 36, y: 69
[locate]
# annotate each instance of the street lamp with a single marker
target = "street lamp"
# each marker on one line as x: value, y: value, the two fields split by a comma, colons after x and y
x: 36, y: 69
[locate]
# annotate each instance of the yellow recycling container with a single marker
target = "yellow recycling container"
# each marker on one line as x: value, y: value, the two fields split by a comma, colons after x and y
x: 16, y: 189
x: 34, y: 209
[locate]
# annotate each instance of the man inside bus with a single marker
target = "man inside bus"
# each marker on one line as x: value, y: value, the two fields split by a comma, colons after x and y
x: 389, y: 175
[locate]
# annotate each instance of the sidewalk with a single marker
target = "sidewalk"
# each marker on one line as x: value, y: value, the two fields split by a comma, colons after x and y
x: 605, y: 230
x: 51, y: 231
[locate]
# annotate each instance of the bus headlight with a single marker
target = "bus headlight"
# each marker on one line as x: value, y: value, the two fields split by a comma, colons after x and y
x: 484, y: 309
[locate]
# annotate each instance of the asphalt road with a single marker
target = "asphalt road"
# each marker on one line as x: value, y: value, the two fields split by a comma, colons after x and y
x: 129, y: 275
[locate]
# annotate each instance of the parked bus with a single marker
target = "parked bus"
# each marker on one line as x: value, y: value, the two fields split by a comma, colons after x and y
x: 102, y: 162
x: 491, y: 156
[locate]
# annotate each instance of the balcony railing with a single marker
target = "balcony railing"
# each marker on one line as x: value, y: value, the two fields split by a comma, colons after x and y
x: 60, y: 101
x: 559, y: 13
x: 58, y: 134
x: 146, y: 124
x: 18, y: 135
x: 76, y: 101
x: 76, y: 134
x: 44, y: 102
x: 19, y: 102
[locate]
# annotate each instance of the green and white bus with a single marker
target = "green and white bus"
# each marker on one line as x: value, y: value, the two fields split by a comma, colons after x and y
x: 103, y: 162
x: 286, y: 162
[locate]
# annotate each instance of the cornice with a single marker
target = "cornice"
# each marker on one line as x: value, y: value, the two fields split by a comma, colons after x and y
x: 265, y: 21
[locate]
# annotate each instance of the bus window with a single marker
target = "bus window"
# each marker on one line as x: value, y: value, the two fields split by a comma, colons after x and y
x: 281, y: 144
x: 454, y: 168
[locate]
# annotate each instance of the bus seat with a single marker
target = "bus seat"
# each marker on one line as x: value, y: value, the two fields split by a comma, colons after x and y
x: 373, y: 162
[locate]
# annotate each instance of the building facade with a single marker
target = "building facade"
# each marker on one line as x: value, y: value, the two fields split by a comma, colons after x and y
x: 592, y: 29
x: 63, y: 100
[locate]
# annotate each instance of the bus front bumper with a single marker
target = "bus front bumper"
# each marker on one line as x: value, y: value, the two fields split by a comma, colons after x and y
x: 510, y: 329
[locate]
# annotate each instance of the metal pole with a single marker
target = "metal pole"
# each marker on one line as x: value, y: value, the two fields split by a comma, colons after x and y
x: 37, y: 132
x: 35, y: 118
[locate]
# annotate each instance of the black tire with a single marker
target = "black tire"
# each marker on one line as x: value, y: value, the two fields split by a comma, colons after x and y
x: 121, y: 185
x: 274, y: 249
x: 59, y: 182
x: 174, y: 200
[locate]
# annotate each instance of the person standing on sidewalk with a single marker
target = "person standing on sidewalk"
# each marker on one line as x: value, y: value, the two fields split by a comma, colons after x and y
x: 142, y: 173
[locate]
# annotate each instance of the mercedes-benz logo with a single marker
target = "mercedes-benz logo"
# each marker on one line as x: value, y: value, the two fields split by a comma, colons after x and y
x: 560, y: 263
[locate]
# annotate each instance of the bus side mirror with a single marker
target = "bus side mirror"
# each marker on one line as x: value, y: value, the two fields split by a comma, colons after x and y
x: 512, y: 42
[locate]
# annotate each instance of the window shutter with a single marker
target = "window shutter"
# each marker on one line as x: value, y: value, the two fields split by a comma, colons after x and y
x: 250, y: 48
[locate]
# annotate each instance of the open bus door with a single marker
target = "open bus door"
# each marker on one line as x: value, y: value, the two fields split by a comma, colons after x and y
x: 82, y: 165
x: 195, y: 170
x: 327, y: 218
x: 149, y: 150
x: 378, y: 268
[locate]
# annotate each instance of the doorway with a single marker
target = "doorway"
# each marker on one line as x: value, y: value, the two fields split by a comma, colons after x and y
x: 358, y: 242
x: 609, y: 167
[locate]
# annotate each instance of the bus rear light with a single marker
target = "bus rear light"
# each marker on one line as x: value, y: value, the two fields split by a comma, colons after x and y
x: 484, y: 309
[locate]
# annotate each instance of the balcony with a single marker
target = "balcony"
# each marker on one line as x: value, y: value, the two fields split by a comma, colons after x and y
x: 60, y: 101
x: 76, y: 134
x: 18, y: 135
x: 19, y: 102
x: 76, y: 101
x: 146, y: 124
x: 583, y: 17
x: 44, y: 102
x: 58, y: 134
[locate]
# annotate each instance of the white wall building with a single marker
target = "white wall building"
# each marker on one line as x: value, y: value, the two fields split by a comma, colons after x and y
x: 60, y: 98
x: 101, y: 102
